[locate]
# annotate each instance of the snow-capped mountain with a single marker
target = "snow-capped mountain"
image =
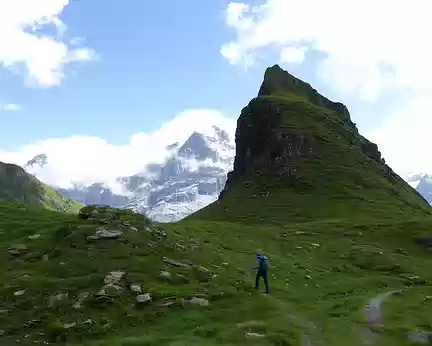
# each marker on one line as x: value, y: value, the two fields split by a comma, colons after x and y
x: 422, y: 182
x: 190, y: 178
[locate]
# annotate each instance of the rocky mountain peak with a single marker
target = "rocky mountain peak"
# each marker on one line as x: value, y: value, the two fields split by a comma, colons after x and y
x: 221, y: 135
x: 294, y: 139
x: 198, y: 147
x: 278, y: 81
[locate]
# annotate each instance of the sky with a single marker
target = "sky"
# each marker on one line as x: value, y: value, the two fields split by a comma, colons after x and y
x: 102, y: 87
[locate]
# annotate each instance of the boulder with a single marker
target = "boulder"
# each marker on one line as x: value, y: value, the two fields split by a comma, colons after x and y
x: 198, y: 301
x: 114, y: 277
x: 174, y: 263
x: 102, y: 233
x: 34, y: 236
x: 19, y: 293
x: 254, y: 336
x: 82, y: 297
x: 144, y: 298
x: 165, y: 275
x: 135, y: 288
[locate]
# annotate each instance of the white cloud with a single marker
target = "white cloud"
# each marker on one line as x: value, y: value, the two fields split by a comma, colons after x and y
x: 404, y: 138
x: 21, y: 43
x: 9, y: 107
x: 357, y: 38
x: 85, y: 159
x: 293, y: 55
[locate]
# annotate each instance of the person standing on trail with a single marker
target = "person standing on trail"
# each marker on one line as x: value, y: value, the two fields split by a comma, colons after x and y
x: 262, y: 271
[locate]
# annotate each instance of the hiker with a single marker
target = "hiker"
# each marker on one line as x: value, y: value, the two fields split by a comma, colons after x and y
x: 263, y: 266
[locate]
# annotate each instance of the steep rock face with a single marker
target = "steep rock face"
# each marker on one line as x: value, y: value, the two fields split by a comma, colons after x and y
x: 299, y: 154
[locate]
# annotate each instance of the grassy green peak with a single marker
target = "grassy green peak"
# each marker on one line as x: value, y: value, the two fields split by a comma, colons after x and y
x: 299, y: 157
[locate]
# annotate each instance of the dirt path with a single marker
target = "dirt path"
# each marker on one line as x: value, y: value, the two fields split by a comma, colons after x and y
x: 373, y: 318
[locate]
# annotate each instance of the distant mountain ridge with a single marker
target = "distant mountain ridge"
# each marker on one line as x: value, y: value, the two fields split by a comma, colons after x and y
x: 188, y: 180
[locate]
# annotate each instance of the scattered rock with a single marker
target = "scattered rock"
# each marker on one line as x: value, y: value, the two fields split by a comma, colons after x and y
x: 198, y: 301
x: 88, y: 322
x: 125, y: 224
x: 144, y: 298
x: 135, y: 288
x: 102, y: 233
x: 110, y: 290
x: 176, y: 263
x: 2, y: 332
x: 316, y: 245
x: 148, y: 229
x: 164, y: 274
x: 251, y: 324
x: 134, y: 229
x: 308, y: 277
x: 114, y: 277
x: 34, y: 236
x: 203, y: 270
x: 57, y: 298
x: 45, y: 258
x: 19, y: 293
x: 17, y: 250
x: 82, y: 297
x: 402, y: 252
x: 69, y: 325
x: 254, y: 336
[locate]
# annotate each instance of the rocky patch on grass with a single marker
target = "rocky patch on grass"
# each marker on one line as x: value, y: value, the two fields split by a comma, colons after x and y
x: 144, y: 298
x: 18, y: 250
x: 178, y: 264
x: 82, y: 297
x: 102, y: 233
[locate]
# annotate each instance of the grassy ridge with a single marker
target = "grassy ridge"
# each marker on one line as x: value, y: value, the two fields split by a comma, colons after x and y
x: 17, y: 186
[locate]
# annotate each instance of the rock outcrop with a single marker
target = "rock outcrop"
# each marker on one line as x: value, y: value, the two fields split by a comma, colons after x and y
x: 293, y: 143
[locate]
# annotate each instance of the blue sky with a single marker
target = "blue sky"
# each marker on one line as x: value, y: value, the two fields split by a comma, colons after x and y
x: 156, y: 60
x: 134, y: 65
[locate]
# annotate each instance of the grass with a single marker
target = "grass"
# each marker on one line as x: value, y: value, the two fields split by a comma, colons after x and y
x: 321, y: 273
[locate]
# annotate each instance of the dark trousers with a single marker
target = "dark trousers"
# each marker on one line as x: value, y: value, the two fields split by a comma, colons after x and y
x: 264, y: 275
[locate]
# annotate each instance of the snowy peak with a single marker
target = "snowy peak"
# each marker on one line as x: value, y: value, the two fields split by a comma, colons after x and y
x: 222, y: 135
x: 207, y: 146
x: 197, y: 147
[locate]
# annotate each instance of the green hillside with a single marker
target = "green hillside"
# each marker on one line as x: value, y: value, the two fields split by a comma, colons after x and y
x: 341, y: 230
x: 18, y: 186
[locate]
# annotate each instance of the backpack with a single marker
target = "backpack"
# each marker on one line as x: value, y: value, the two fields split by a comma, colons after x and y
x: 265, y: 263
